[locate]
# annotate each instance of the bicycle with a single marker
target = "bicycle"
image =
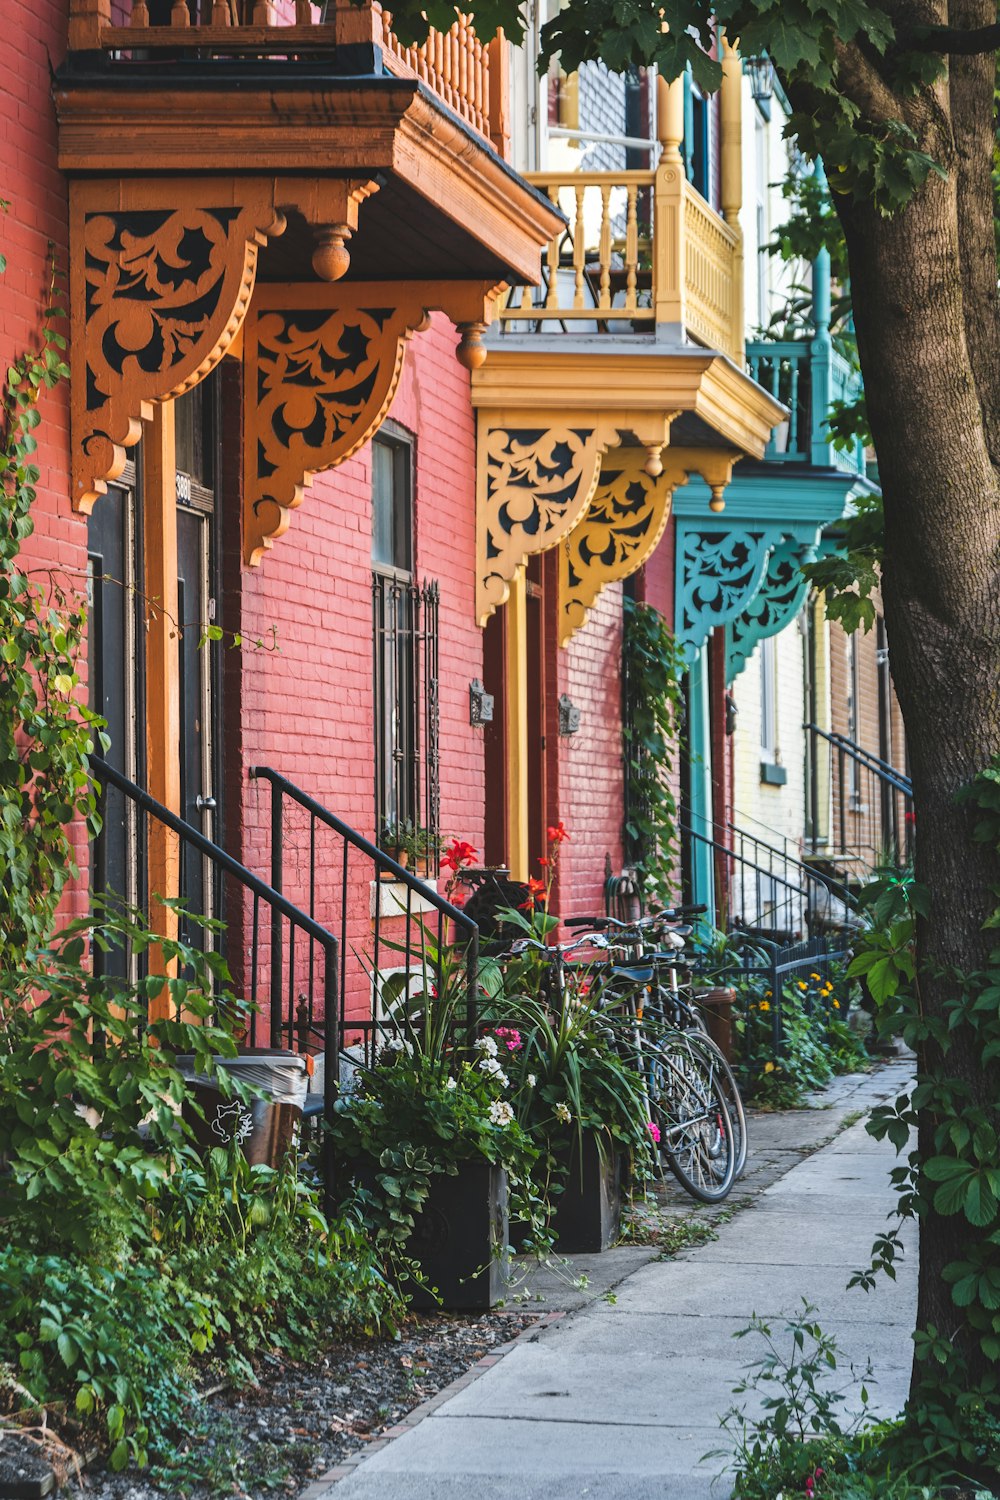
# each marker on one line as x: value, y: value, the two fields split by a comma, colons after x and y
x: 678, y: 1080
x: 658, y: 941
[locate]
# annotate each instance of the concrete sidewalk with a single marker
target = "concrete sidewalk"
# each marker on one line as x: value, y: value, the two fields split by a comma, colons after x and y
x: 623, y: 1400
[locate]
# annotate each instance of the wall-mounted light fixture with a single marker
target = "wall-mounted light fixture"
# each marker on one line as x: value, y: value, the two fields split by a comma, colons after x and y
x: 569, y: 715
x: 480, y: 704
x: 760, y: 71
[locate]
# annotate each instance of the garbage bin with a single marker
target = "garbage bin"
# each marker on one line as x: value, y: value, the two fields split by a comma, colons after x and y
x: 264, y: 1126
x: 717, y: 1005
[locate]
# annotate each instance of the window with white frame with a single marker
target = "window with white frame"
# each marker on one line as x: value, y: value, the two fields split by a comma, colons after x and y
x: 768, y: 701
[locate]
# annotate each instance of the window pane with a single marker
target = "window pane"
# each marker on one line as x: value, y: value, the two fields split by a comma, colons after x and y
x: 391, y: 505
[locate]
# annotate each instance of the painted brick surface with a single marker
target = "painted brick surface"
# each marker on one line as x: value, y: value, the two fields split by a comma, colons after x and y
x: 33, y: 230
x: 590, y: 762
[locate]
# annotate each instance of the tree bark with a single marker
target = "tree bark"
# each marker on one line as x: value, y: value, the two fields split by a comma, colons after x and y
x: 925, y: 308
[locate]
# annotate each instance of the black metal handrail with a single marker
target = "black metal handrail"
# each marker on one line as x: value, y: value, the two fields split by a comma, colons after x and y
x: 865, y: 795
x: 285, y: 1029
x: 806, y: 872
x: 411, y: 946
x: 797, y: 892
x: 896, y: 779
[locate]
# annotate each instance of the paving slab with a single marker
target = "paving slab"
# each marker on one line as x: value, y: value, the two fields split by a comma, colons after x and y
x: 621, y: 1398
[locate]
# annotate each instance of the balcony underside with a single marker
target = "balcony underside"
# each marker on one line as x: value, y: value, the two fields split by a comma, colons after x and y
x: 442, y: 202
x: 562, y: 425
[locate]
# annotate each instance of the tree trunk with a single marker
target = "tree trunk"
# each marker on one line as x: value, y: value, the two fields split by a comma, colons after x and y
x: 932, y: 401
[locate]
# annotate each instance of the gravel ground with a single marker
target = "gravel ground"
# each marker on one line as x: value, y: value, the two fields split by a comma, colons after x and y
x: 301, y: 1420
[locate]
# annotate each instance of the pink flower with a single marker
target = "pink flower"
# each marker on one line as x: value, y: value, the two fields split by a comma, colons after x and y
x: 654, y: 1131
x: 510, y: 1036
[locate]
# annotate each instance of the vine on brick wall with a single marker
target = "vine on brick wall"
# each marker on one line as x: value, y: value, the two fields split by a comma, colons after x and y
x: 653, y: 714
x: 45, y: 733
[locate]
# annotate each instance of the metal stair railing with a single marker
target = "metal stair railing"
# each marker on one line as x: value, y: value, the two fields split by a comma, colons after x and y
x: 795, y: 887
x: 412, y: 907
x: 868, y: 802
x: 247, y: 908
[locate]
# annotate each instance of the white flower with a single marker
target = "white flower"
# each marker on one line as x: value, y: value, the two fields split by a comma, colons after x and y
x: 531, y: 1080
x: 488, y: 1045
x: 395, y: 1044
x: 501, y: 1113
x: 563, y: 1114
x: 451, y: 1084
x: 492, y: 1069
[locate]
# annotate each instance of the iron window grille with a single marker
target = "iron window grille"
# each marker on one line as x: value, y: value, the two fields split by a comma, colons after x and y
x: 407, y: 708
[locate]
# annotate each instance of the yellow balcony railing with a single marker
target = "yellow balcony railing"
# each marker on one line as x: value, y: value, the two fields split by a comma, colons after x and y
x: 467, y: 75
x: 644, y: 251
x: 641, y: 249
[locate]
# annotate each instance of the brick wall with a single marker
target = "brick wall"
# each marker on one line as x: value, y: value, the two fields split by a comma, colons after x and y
x: 37, y: 220
x: 590, y: 761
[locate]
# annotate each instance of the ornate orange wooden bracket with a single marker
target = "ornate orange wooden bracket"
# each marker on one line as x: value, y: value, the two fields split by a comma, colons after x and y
x: 158, y: 292
x: 321, y: 368
x: 535, y: 479
x: 625, y: 522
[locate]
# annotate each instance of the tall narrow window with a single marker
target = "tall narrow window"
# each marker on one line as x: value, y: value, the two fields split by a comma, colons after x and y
x: 853, y: 717
x: 768, y: 701
x: 405, y: 638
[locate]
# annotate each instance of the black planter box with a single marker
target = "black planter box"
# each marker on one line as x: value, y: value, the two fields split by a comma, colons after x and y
x: 587, y: 1217
x: 460, y: 1239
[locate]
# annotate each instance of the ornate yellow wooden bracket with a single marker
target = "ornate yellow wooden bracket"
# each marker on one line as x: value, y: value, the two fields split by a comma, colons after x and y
x: 161, y: 274
x: 321, y: 368
x: 536, y: 474
x: 625, y: 522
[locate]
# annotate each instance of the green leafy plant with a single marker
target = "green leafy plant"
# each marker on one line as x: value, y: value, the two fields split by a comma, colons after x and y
x: 46, y: 734
x: 409, y: 842
x: 653, y: 712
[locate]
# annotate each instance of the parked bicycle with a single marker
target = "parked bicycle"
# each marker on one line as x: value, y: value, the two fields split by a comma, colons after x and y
x: 668, y: 1004
x: 682, y: 1085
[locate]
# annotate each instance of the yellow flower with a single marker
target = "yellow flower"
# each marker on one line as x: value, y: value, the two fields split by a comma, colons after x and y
x: 817, y: 977
x: 769, y: 1067
x: 803, y: 985
x: 836, y: 1005
x: 765, y: 1004
x: 768, y: 993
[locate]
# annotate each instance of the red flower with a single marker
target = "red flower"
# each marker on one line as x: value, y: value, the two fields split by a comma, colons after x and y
x: 535, y: 888
x: 544, y: 862
x: 909, y: 817
x: 558, y: 834
x: 458, y: 854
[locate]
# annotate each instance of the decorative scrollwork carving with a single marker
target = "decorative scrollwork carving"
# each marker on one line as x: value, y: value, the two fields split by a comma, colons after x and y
x: 161, y: 281
x: 776, y: 603
x: 534, y: 485
x: 623, y: 526
x: 718, y: 573
x: 319, y: 381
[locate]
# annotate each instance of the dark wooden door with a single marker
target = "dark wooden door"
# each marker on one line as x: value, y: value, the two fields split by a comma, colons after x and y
x: 198, y: 804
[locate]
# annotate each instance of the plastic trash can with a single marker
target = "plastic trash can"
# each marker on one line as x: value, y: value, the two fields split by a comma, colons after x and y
x: 264, y: 1126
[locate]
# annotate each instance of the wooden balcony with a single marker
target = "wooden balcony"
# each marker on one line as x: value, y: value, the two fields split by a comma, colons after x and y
x: 642, y: 251
x: 470, y: 78
x: 808, y: 376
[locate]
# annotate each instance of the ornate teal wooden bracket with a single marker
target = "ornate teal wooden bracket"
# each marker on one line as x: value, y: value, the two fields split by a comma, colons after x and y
x: 781, y: 595
x: 742, y: 570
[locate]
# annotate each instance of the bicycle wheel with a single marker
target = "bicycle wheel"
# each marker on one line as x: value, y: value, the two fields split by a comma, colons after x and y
x: 724, y: 1076
x: 696, y: 1133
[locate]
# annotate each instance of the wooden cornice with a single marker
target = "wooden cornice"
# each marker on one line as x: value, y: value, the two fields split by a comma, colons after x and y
x: 112, y: 124
x: 637, y: 380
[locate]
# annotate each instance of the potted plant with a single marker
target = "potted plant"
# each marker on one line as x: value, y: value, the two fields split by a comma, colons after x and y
x: 438, y: 1151
x: 410, y: 844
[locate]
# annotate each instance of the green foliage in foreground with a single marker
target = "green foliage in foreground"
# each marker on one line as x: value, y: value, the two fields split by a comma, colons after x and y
x: 129, y: 1260
x: 815, y: 1436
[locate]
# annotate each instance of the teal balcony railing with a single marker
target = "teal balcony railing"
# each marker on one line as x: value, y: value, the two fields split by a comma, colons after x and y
x: 807, y: 376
